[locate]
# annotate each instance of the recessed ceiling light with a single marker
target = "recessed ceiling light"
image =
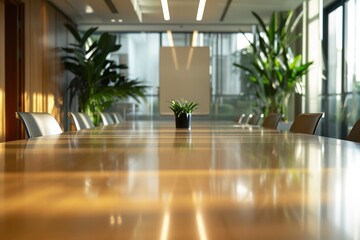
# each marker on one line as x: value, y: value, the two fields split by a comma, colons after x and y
x: 116, y: 20
x: 88, y: 9
x: 165, y: 8
x: 200, y: 11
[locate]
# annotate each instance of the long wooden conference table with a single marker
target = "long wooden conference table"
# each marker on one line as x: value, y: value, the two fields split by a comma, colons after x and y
x: 143, y: 180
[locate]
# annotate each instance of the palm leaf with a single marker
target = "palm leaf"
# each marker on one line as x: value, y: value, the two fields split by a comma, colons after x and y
x: 275, y: 71
x: 97, y: 81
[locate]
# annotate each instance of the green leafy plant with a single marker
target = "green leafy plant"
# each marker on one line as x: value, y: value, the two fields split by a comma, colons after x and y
x: 275, y: 71
x: 97, y: 81
x: 182, y: 107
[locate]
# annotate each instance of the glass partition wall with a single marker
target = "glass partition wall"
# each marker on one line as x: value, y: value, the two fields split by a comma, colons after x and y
x: 332, y: 85
x: 229, y: 98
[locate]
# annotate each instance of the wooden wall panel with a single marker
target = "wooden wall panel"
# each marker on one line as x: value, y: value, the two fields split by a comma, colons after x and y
x: 44, y: 75
x: 54, y: 76
x: 45, y: 80
x: 51, y: 92
x: 2, y: 70
x: 184, y: 74
x: 34, y: 100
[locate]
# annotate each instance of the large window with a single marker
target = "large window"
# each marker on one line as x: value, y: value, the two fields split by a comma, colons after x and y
x: 335, y: 71
x: 140, y: 51
x: 352, y: 57
x: 342, y: 99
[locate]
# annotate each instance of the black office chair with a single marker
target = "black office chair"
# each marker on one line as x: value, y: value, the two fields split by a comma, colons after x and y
x: 272, y: 120
x: 106, y: 118
x: 354, y: 134
x: 39, y: 124
x: 81, y: 120
x: 253, y: 119
x: 306, y: 123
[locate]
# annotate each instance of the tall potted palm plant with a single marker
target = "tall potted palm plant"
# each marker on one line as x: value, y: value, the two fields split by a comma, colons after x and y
x: 97, y: 81
x: 275, y: 71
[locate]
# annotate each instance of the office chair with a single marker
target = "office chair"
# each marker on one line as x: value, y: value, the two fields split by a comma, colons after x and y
x: 39, y: 124
x: 354, y: 134
x: 306, y: 123
x: 242, y: 119
x: 272, y: 120
x: 81, y: 120
x: 106, y: 118
x: 253, y: 119
x: 117, y: 117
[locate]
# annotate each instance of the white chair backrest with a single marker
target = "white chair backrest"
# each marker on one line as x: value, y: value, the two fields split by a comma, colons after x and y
x: 39, y: 124
x: 117, y: 117
x: 81, y: 120
x: 106, y: 118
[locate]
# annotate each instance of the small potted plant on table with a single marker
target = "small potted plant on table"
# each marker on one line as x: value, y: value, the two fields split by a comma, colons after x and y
x: 182, y: 110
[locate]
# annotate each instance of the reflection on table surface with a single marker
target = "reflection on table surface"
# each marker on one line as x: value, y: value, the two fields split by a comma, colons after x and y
x: 143, y: 180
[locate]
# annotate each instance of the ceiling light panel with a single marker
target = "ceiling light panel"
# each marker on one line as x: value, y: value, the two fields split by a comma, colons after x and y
x: 201, y: 9
x: 165, y: 9
x: 88, y: 9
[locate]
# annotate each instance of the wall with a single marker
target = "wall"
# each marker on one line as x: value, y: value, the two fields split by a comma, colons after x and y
x: 34, y: 51
x: 184, y: 74
x: 2, y: 70
x: 44, y: 76
x: 54, y: 78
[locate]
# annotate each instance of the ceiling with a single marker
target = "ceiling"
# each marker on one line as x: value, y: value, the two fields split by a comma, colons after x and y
x: 219, y: 15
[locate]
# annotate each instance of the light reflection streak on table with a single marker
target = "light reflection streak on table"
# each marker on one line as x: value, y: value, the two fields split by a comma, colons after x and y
x: 151, y: 181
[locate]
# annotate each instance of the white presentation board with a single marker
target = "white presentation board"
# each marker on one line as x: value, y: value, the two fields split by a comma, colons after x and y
x: 185, y: 73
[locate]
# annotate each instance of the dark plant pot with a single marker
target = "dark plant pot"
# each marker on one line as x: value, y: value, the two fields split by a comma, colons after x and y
x: 183, y: 121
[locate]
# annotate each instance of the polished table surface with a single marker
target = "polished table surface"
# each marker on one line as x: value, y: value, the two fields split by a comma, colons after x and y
x: 143, y: 180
